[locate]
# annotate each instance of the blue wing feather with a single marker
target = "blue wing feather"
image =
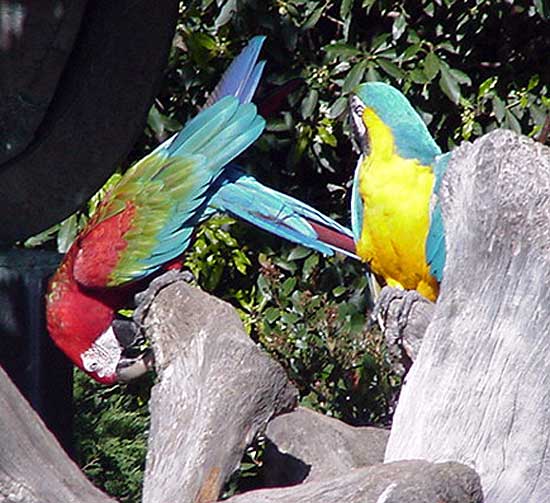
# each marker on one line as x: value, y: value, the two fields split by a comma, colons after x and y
x: 356, y: 203
x: 435, y: 242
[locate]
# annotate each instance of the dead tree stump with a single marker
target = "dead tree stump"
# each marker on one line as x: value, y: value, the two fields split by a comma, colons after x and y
x: 479, y: 391
x: 216, y: 391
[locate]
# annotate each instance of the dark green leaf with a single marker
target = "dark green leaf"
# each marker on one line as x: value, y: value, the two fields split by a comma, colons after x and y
x: 338, y: 107
x: 391, y: 68
x: 288, y: 286
x: 461, y: 77
x: 309, y: 103
x: 431, y: 65
x: 355, y: 76
x: 299, y: 252
x: 340, y: 49
x: 449, y: 85
x: 418, y: 76
x: 314, y: 17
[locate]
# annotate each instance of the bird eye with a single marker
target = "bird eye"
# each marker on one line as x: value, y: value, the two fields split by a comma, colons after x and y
x: 358, y: 109
x: 92, y: 366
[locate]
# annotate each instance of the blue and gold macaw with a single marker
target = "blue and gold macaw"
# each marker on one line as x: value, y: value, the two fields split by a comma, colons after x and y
x: 147, y: 221
x: 396, y: 219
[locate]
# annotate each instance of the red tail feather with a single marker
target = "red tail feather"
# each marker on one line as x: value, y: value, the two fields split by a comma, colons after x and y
x: 334, y: 238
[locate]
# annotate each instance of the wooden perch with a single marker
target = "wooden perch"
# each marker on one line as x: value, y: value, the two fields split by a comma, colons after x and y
x: 404, y: 316
x: 33, y: 466
x: 479, y: 391
x: 400, y: 482
x: 216, y: 391
x: 305, y: 446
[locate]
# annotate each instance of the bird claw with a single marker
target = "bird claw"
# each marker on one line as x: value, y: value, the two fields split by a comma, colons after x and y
x: 128, y: 333
x: 393, y: 311
x: 135, y: 361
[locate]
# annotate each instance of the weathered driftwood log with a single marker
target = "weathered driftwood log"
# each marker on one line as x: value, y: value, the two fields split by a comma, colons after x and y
x: 404, y: 316
x: 216, y: 391
x: 479, y: 391
x: 33, y: 466
x: 400, y: 482
x: 305, y: 446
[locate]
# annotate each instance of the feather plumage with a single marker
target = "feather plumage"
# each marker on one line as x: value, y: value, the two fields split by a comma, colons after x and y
x: 401, y: 239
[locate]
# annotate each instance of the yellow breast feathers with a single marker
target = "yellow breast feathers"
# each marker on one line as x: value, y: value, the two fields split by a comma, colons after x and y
x: 396, y: 196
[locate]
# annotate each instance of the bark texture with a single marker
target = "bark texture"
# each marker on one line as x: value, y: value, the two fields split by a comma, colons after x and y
x: 216, y: 391
x: 479, y: 391
x: 404, y: 481
x: 33, y: 466
x: 305, y: 446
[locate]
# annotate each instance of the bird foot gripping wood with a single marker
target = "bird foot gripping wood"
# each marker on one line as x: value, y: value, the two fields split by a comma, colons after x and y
x: 137, y: 361
x: 403, y: 316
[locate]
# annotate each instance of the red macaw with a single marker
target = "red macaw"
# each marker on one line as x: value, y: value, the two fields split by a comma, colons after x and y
x: 147, y: 220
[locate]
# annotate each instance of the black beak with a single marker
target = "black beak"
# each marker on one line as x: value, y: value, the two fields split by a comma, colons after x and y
x: 129, y: 369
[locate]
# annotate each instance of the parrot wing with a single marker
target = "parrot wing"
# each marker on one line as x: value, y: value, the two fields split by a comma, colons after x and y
x: 435, y: 242
x: 357, y: 203
x: 244, y: 197
x: 148, y: 218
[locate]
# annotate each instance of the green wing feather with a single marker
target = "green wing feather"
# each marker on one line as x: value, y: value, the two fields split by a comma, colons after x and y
x: 168, y: 188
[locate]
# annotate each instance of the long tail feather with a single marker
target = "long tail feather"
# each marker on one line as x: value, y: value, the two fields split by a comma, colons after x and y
x: 244, y: 197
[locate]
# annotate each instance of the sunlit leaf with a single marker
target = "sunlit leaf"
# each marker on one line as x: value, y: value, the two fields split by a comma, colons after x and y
x: 399, y: 26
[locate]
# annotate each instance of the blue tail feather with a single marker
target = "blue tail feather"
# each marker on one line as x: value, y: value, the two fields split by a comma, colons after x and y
x: 244, y: 197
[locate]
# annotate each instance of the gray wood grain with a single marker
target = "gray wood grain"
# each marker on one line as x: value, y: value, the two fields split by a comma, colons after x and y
x: 401, y: 482
x: 33, y: 466
x: 479, y: 391
x: 306, y: 446
x: 216, y: 390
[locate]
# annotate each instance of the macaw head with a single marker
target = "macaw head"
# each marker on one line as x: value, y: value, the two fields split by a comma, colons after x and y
x: 383, y: 119
x: 80, y: 325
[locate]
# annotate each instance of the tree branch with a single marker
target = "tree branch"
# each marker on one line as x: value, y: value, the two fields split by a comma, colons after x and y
x: 479, y: 391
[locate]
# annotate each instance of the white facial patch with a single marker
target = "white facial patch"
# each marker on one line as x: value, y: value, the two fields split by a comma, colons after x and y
x: 104, y: 354
x: 357, y: 125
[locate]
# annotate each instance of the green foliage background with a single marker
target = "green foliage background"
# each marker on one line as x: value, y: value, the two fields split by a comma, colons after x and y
x: 467, y: 66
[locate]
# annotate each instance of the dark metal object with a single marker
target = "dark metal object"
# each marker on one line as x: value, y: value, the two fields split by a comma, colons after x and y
x: 40, y: 371
x: 72, y: 111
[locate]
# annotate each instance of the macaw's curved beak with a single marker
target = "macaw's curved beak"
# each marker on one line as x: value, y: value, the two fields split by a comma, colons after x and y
x: 129, y: 369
